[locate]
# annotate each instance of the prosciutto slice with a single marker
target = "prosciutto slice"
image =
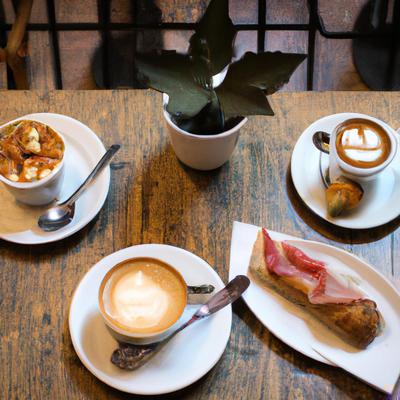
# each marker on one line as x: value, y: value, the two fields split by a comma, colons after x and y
x: 306, y: 274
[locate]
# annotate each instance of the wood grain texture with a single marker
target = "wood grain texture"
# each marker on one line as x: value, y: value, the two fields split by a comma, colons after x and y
x: 3, y: 75
x: 77, y: 49
x: 245, y: 41
x: 241, y: 11
x: 40, y: 61
x: 342, y: 15
x: 290, y: 42
x: 76, y: 11
x: 287, y: 12
x: 334, y: 67
x: 154, y: 199
x: 121, y: 11
x: 175, y: 40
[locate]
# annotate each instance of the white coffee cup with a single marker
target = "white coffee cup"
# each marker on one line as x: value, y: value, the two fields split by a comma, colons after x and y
x: 122, y: 333
x: 339, y: 167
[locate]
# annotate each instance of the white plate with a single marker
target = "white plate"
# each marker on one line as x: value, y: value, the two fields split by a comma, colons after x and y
x: 83, y: 149
x: 379, y: 364
x: 188, y: 356
x: 380, y: 201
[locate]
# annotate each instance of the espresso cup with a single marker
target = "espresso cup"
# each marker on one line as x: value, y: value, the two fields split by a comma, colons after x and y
x: 141, y: 300
x: 360, y: 149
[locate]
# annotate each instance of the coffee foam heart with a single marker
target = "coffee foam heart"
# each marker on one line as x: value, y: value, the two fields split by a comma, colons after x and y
x: 137, y: 301
x: 142, y: 296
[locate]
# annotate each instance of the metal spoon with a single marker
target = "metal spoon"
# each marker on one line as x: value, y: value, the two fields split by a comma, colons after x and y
x: 321, y: 142
x: 63, y: 213
x: 199, y: 294
x: 129, y: 356
x: 200, y: 289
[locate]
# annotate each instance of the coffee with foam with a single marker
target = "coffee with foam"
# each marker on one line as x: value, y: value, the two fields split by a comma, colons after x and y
x: 362, y: 143
x: 143, y: 295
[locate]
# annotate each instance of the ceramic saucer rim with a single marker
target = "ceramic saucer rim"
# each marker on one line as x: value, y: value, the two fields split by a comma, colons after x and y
x: 121, y: 255
x: 356, y: 223
x: 35, y: 239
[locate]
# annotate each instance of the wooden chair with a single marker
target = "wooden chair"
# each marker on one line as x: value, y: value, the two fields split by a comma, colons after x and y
x: 15, y: 51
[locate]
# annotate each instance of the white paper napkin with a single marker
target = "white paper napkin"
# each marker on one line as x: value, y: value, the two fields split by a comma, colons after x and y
x: 379, y: 364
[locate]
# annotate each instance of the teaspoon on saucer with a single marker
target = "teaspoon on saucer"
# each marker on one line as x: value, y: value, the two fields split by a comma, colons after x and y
x: 199, y: 294
x: 62, y: 214
x: 321, y: 142
x: 131, y: 357
x: 200, y: 289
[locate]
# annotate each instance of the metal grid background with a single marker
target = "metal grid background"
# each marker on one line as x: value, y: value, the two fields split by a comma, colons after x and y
x: 105, y: 26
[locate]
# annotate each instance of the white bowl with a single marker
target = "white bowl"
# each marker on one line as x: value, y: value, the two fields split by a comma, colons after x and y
x: 40, y: 192
x: 202, y: 152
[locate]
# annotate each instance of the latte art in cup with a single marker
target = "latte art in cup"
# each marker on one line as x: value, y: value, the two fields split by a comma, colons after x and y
x: 143, y: 295
x: 362, y: 143
x: 137, y: 301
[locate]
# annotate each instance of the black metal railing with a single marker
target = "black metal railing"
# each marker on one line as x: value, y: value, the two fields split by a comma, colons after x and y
x: 106, y: 26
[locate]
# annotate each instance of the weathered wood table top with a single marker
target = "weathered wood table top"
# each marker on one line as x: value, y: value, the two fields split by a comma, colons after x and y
x: 154, y: 199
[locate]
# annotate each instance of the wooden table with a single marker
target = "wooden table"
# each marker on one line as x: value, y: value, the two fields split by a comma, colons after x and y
x: 154, y: 199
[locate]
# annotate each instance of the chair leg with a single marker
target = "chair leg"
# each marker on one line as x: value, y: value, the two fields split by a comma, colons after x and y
x: 15, y: 51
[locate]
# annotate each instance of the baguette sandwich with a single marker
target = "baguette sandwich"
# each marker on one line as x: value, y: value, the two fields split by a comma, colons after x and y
x: 333, y: 300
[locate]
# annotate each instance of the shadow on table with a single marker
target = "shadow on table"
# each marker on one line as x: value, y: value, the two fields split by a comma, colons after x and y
x: 300, y: 364
x: 203, y: 179
x: 331, y: 231
x: 174, y: 197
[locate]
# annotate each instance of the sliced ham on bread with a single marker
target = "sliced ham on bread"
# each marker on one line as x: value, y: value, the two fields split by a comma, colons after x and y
x: 331, y: 299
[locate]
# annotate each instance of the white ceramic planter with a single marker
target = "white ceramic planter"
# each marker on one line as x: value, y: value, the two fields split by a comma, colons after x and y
x: 202, y: 152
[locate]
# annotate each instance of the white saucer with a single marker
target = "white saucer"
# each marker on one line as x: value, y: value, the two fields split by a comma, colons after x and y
x: 378, y: 364
x: 188, y: 356
x: 380, y: 203
x: 18, y: 223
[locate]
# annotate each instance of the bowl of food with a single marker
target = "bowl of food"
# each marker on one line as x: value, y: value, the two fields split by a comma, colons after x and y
x: 31, y: 161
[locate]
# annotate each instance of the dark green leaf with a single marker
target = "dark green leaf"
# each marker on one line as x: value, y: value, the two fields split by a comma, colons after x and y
x: 214, y: 37
x: 201, y: 65
x: 243, y: 100
x: 244, y: 89
x: 209, y: 121
x: 170, y: 72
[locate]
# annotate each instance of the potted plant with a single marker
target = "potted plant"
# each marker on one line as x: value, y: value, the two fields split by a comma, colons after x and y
x: 207, y: 96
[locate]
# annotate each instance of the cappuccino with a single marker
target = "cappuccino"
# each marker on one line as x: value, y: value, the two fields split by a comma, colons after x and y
x: 362, y: 143
x: 143, y: 296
